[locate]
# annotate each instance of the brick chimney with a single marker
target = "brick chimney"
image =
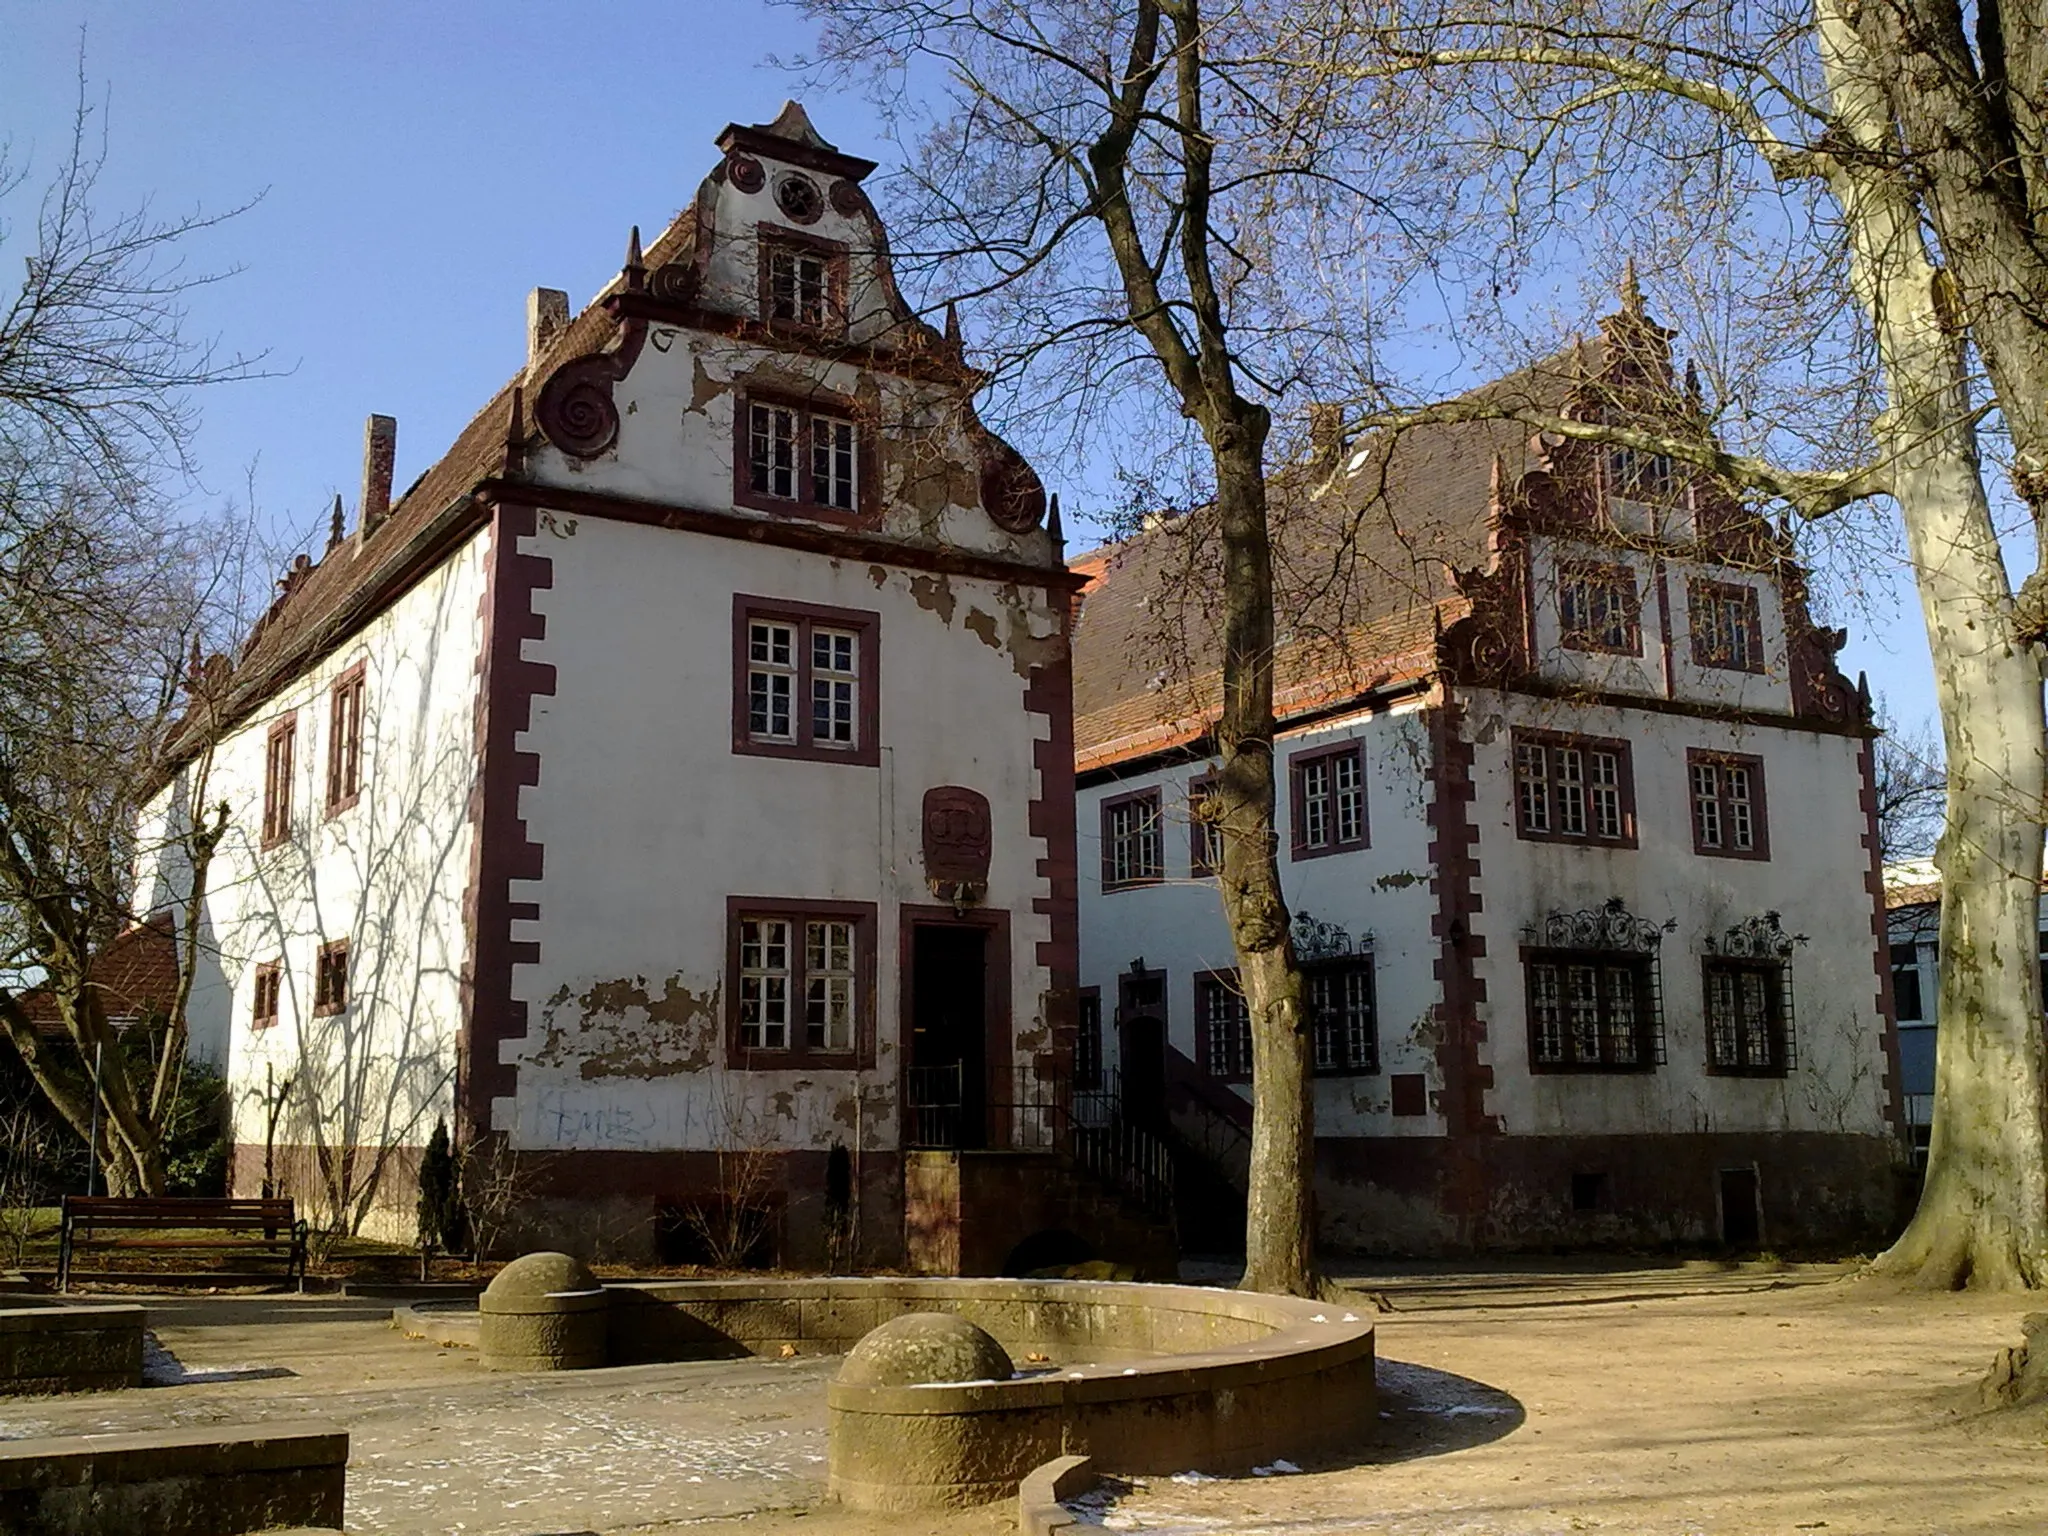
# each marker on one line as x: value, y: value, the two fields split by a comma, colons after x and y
x: 547, y: 316
x: 380, y: 453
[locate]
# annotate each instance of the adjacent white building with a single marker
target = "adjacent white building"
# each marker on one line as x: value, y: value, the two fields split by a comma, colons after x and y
x: 675, y: 771
x: 1575, y: 814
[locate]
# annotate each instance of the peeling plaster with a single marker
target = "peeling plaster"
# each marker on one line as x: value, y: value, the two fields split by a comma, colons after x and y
x: 934, y: 593
x: 620, y: 1029
x: 983, y: 625
x: 1400, y: 879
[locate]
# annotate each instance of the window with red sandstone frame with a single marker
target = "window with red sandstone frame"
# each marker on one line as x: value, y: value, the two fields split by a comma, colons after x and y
x: 280, y: 750
x: 1223, y: 1027
x: 808, y: 456
x: 269, y: 977
x: 1591, y: 1011
x: 345, y: 740
x: 1578, y: 789
x: 1328, y: 794
x: 1205, y: 837
x: 1727, y: 625
x: 330, y: 979
x: 1133, y: 844
x: 1727, y: 791
x: 1598, y: 608
x: 801, y: 980
x: 805, y: 681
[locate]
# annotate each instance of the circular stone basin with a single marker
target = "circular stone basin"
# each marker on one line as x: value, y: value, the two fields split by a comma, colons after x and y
x: 922, y: 1347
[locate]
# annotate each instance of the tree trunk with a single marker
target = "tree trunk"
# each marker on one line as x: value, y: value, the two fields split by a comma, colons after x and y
x: 1280, y: 1203
x: 1983, y: 1213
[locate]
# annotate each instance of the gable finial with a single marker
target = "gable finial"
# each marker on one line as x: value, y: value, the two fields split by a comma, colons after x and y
x: 334, y: 530
x: 1052, y: 522
x: 1692, y: 385
x: 954, y: 345
x: 1631, y: 290
x: 636, y: 268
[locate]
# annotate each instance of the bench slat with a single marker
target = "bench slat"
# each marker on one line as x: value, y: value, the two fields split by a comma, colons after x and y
x: 262, y: 1229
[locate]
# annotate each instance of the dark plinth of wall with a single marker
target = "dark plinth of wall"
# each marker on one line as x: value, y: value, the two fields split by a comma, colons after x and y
x: 965, y: 1213
x: 69, y: 1349
x: 205, y: 1482
x: 1814, y: 1189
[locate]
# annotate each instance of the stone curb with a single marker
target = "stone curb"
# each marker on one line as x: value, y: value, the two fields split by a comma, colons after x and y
x: 450, y: 1329
x: 1041, y: 1497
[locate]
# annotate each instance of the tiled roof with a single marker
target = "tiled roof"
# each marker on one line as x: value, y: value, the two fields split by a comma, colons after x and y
x: 324, y: 603
x: 1362, y: 578
x: 137, y: 974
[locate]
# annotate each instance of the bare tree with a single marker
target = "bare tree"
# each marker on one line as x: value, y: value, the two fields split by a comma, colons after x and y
x: 1911, y: 781
x: 1855, y: 193
x: 1138, y: 202
x: 105, y: 595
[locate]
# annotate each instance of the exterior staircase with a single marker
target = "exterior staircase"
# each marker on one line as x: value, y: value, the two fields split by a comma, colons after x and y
x: 1209, y: 1137
x: 1024, y: 1171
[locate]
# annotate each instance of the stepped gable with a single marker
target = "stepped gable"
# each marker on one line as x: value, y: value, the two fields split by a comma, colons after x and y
x: 1363, y: 567
x: 1393, y: 569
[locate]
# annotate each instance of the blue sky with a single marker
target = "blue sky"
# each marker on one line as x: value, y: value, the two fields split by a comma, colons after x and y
x: 420, y: 168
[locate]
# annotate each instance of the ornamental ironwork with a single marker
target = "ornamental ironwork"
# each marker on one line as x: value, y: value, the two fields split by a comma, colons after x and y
x: 1315, y: 941
x: 1611, y: 927
x: 1756, y: 938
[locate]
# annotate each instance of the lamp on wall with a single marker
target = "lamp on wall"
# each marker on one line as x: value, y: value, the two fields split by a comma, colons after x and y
x: 1138, y: 966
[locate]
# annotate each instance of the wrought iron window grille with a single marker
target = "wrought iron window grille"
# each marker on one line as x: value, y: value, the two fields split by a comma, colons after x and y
x: 1608, y: 930
x: 1761, y: 942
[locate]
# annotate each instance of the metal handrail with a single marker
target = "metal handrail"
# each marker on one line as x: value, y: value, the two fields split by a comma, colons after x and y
x: 1026, y: 1109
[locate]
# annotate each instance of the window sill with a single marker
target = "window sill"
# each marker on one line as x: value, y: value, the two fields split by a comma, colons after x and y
x: 1591, y: 648
x: 1766, y: 1073
x: 338, y: 807
x: 1109, y: 887
x: 865, y: 756
x: 1299, y: 854
x: 1570, y: 841
x: 1591, y: 1069
x: 1752, y: 856
x: 763, y: 1059
x: 785, y: 506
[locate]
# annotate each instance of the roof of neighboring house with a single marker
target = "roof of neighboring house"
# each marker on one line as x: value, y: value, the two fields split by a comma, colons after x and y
x: 137, y: 974
x: 1363, y: 562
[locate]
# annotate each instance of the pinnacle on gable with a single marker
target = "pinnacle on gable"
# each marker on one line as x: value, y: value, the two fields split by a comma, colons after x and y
x: 1631, y: 290
x: 794, y: 123
x: 636, y: 265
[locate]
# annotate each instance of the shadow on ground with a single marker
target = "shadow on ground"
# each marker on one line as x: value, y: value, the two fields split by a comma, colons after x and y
x: 1425, y: 1412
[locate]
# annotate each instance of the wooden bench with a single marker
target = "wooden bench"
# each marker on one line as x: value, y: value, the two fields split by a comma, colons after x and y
x: 268, y: 1229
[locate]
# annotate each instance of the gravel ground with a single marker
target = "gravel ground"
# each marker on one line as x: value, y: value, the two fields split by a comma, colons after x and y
x: 1514, y: 1402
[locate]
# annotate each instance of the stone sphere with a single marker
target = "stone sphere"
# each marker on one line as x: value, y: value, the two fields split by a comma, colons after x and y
x: 537, y: 1275
x: 925, y: 1347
